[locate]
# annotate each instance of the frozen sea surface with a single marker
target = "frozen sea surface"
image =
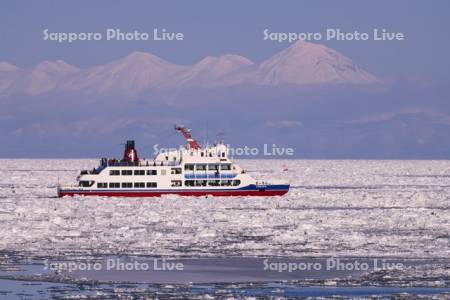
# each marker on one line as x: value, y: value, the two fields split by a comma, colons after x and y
x: 334, y: 208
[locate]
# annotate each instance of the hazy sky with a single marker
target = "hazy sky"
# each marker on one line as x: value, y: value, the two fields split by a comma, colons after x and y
x: 215, y: 28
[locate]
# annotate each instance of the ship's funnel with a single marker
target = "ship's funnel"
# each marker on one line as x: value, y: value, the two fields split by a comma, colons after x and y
x: 130, y: 153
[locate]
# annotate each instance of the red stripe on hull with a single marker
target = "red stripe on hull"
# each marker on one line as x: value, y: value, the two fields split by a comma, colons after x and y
x: 183, y: 193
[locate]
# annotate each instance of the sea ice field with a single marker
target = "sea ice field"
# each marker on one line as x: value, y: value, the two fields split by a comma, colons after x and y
x: 335, y: 208
x: 348, y: 208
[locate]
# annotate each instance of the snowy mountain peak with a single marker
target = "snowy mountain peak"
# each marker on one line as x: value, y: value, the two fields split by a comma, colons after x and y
x: 131, y: 75
x: 145, y: 57
x: 7, y: 67
x: 308, y: 63
x: 141, y: 62
x: 45, y: 77
x: 228, y: 58
x: 54, y: 66
x: 211, y: 71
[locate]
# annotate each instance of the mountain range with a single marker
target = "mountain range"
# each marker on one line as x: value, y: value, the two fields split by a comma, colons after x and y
x: 307, y: 97
x: 300, y: 64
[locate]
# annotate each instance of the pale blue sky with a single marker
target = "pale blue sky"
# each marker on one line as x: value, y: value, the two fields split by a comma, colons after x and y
x: 214, y: 28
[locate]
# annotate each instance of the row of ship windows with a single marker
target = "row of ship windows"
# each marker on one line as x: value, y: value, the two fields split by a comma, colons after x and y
x: 209, y: 167
x: 209, y: 154
x: 130, y: 172
x: 212, y: 182
x: 127, y: 185
x: 174, y: 183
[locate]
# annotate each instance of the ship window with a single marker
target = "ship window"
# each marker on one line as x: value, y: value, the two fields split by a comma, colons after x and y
x: 114, y: 185
x: 139, y: 184
x: 151, y: 172
x: 213, y: 167
x: 236, y: 182
x: 225, y: 182
x: 202, y: 153
x: 177, y: 183
x: 200, y: 167
x: 86, y: 183
x: 225, y: 167
x: 127, y: 172
x: 189, y: 183
x: 127, y: 185
x: 223, y: 154
x: 114, y: 172
x: 151, y: 184
x: 200, y: 182
x: 102, y: 185
x: 189, y: 167
x: 139, y: 172
x: 176, y: 171
x: 214, y: 182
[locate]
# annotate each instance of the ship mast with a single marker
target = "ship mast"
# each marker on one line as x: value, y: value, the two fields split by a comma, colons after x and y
x: 187, y: 135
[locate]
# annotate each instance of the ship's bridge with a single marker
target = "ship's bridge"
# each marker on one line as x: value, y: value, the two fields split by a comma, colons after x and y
x: 193, y: 152
x: 210, y: 154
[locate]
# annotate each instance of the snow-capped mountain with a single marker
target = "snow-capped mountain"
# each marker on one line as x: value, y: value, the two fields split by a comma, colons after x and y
x: 211, y: 71
x: 300, y: 64
x: 7, y: 67
x: 44, y: 77
x: 308, y: 63
x: 131, y: 75
x: 8, y: 75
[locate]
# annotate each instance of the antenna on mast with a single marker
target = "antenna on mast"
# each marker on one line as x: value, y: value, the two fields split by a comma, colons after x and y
x: 207, y: 137
x: 220, y: 135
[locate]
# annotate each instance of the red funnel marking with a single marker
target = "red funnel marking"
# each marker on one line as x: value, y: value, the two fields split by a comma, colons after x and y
x: 130, y: 153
